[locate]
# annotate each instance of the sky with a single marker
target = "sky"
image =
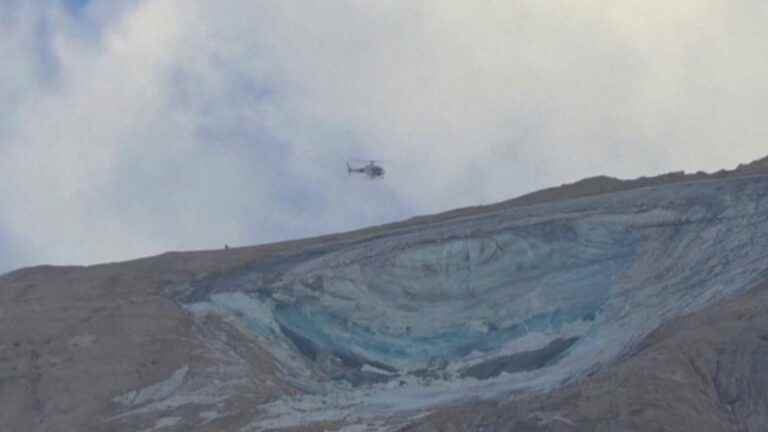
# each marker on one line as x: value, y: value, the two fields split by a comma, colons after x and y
x: 134, y: 127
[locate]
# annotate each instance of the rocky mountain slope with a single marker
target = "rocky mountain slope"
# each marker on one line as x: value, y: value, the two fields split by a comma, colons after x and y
x: 601, y: 305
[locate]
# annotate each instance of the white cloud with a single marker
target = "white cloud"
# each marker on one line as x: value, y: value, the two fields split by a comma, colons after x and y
x: 139, y: 126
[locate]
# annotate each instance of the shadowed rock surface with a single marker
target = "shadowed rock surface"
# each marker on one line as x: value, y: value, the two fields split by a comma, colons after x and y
x: 601, y: 305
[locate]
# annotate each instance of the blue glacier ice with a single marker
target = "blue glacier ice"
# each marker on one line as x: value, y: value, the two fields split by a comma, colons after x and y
x: 524, y: 297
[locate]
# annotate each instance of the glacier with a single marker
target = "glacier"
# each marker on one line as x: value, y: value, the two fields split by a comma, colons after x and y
x: 488, y: 304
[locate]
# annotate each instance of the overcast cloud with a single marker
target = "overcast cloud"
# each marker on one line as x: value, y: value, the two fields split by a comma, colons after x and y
x: 132, y: 127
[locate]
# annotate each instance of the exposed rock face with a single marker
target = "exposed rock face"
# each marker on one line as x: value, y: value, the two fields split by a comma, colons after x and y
x: 638, y: 309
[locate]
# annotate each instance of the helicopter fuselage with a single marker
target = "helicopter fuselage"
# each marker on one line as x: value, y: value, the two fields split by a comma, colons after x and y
x: 371, y: 170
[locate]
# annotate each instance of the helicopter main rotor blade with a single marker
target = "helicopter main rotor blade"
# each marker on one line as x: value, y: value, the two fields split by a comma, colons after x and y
x: 369, y: 160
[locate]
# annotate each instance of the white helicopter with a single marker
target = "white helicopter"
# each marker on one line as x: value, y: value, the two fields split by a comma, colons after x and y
x: 370, y: 169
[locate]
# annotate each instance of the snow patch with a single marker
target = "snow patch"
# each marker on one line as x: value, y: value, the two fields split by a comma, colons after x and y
x: 155, y: 392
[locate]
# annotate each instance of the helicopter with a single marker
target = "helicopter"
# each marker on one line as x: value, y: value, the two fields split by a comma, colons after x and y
x: 370, y: 169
